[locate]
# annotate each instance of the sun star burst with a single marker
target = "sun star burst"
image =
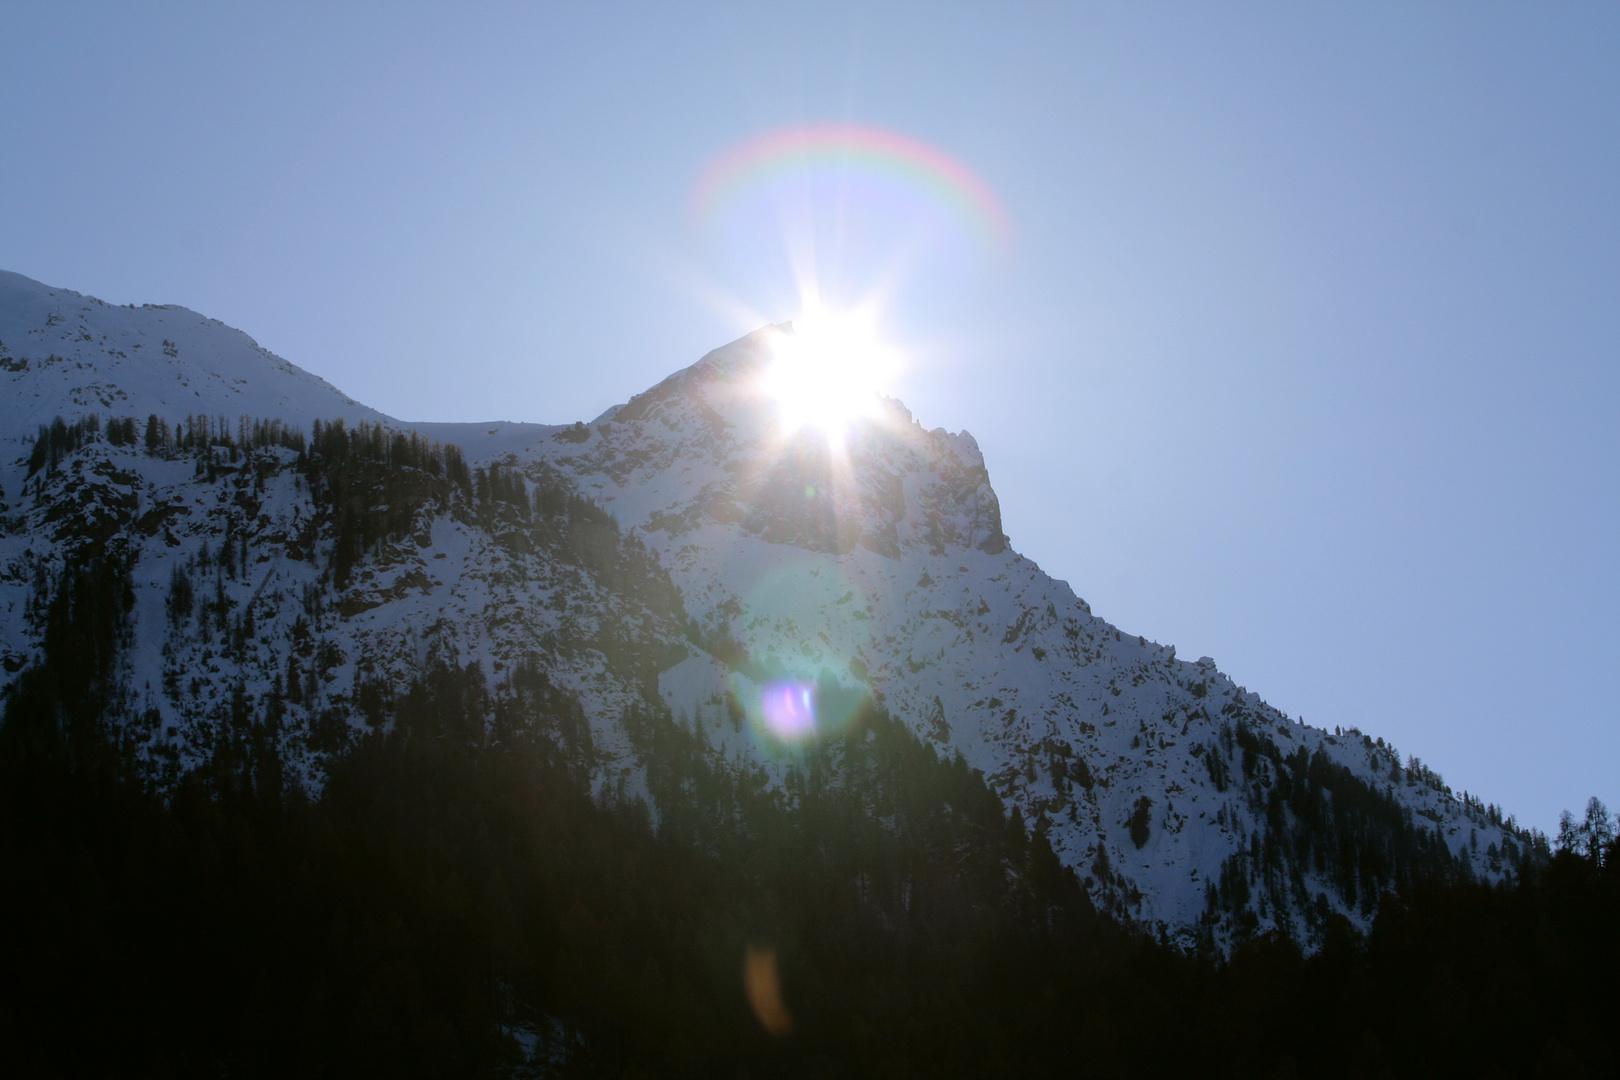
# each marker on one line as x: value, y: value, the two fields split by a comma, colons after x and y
x: 826, y: 373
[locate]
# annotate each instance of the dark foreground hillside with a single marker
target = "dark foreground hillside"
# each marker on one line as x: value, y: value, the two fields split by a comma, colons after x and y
x: 458, y: 901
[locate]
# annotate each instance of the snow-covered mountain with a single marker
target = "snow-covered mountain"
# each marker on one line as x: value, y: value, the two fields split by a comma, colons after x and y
x: 69, y: 354
x: 289, y: 577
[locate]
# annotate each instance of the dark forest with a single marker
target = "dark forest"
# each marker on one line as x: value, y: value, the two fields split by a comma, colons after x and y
x: 458, y: 884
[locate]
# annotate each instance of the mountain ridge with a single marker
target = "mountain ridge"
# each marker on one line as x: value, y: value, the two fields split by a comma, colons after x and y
x: 66, y: 339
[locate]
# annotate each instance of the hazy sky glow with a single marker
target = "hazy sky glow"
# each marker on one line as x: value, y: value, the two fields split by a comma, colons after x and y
x: 1297, y: 345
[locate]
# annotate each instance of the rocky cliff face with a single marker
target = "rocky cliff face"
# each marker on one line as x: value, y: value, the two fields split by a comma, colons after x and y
x: 286, y: 578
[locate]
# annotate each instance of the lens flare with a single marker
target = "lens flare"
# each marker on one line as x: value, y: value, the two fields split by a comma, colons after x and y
x: 828, y: 372
x: 855, y: 156
x: 790, y: 710
x: 843, y: 211
x: 764, y: 988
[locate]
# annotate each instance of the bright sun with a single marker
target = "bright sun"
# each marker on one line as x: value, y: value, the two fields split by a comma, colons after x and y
x: 827, y: 373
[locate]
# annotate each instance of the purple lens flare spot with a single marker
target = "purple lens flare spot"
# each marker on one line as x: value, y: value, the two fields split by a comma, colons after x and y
x: 790, y: 709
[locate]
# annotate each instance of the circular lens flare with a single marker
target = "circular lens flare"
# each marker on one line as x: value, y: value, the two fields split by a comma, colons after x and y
x: 790, y: 710
x: 827, y: 372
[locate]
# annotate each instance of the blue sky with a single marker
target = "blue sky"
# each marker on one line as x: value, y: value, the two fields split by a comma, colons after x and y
x: 1305, y: 356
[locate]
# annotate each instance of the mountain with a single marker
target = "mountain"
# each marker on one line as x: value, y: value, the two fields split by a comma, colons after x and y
x: 288, y: 564
x: 69, y: 355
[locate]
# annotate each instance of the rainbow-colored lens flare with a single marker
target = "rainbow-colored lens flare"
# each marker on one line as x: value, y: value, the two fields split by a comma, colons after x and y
x: 852, y: 151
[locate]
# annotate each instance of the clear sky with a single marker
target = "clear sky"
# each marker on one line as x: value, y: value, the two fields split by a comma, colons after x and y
x: 1304, y: 352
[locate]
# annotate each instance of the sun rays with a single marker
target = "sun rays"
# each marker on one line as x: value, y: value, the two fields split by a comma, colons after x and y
x: 828, y: 373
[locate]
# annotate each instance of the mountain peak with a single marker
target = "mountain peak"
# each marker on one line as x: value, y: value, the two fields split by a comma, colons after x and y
x: 707, y: 442
x: 734, y: 366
